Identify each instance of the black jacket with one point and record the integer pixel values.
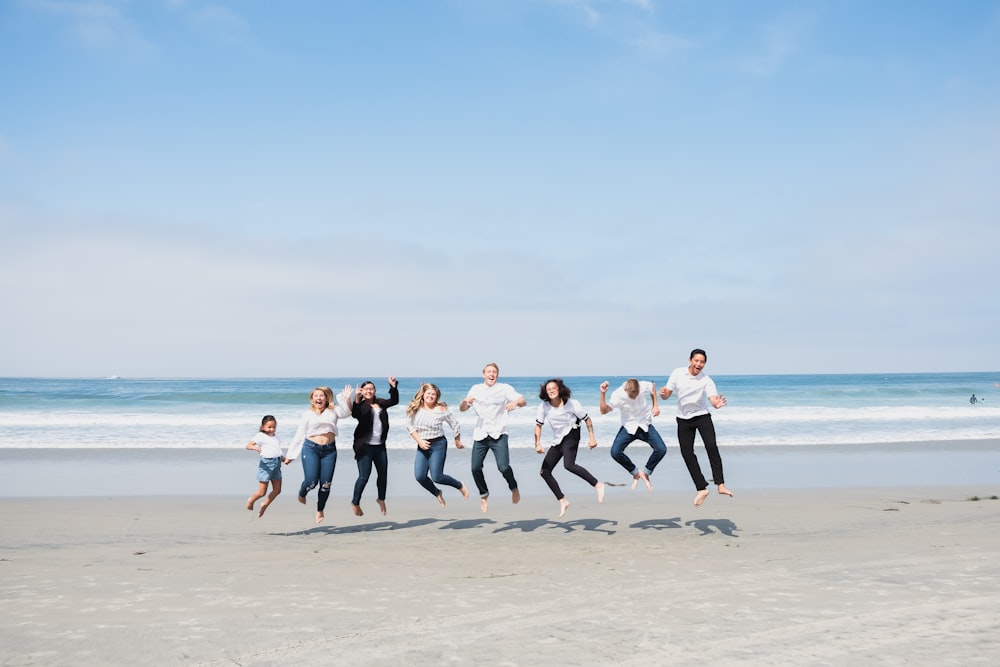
(362, 411)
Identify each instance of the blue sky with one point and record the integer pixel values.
(329, 188)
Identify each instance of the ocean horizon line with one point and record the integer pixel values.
(475, 376)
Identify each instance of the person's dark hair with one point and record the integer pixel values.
(564, 391)
(267, 418)
(365, 384)
(700, 351)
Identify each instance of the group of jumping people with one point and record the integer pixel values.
(491, 401)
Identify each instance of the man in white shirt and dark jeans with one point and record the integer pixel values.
(636, 404)
(695, 392)
(491, 401)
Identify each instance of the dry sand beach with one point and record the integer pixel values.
(907, 575)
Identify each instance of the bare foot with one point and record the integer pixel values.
(645, 478)
(600, 488)
(484, 503)
(635, 481)
(319, 517)
(250, 503)
(263, 506)
(515, 496)
(441, 499)
(381, 506)
(465, 491)
(700, 498)
(563, 506)
(357, 510)
(302, 499)
(724, 491)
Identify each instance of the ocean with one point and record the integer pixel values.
(149, 435)
(792, 410)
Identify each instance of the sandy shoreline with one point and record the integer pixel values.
(231, 472)
(773, 576)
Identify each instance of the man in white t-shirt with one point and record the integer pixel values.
(695, 393)
(636, 404)
(491, 401)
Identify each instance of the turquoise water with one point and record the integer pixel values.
(763, 410)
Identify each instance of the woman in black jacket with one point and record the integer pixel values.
(369, 439)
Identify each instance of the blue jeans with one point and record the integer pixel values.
(650, 437)
(432, 461)
(372, 454)
(502, 454)
(318, 463)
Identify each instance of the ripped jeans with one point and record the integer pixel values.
(318, 463)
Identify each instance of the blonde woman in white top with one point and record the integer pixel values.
(316, 439)
(425, 419)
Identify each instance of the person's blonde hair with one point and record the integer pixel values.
(326, 392)
(418, 398)
(631, 385)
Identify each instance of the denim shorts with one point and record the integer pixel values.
(269, 470)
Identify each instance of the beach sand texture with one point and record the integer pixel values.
(770, 577)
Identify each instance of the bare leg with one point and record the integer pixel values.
(357, 510)
(724, 491)
(563, 506)
(319, 516)
(275, 490)
(440, 498)
(700, 498)
(261, 492)
(515, 496)
(484, 503)
(465, 491)
(635, 481)
(302, 499)
(600, 488)
(381, 506)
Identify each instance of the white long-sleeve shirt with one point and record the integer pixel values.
(317, 423)
(429, 423)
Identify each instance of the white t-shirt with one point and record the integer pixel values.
(636, 413)
(490, 407)
(376, 437)
(692, 392)
(270, 445)
(561, 420)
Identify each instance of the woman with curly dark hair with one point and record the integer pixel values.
(563, 415)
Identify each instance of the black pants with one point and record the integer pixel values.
(685, 438)
(565, 450)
